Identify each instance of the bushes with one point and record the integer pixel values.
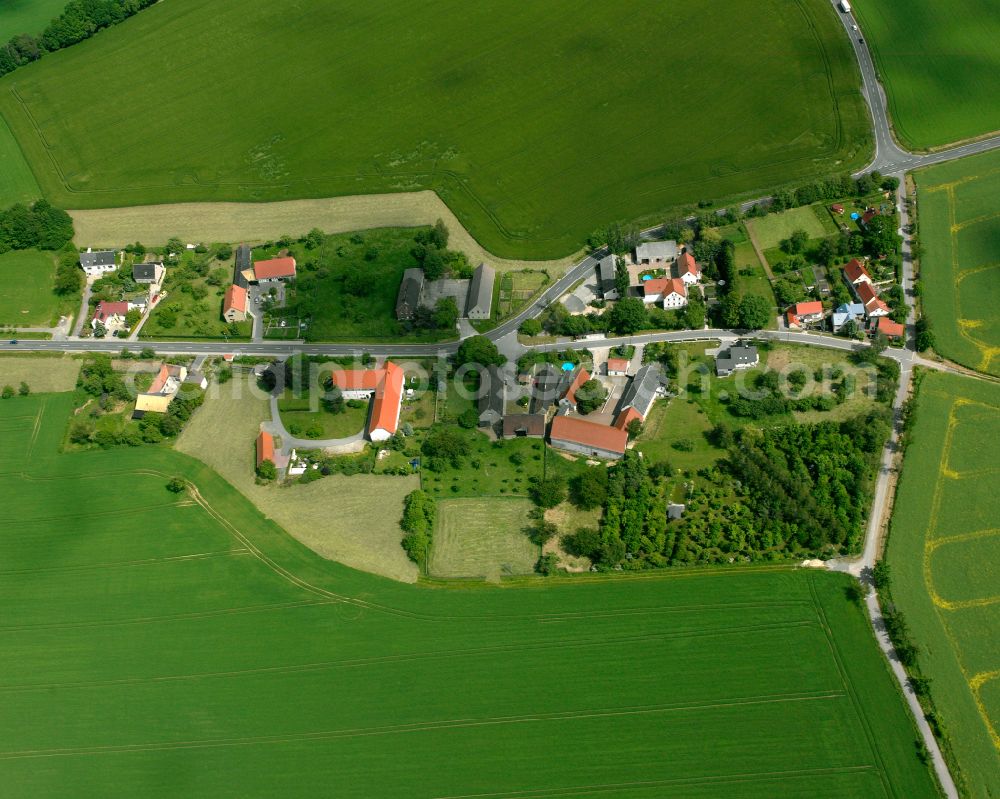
(418, 524)
(39, 225)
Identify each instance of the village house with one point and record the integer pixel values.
(408, 298)
(98, 262)
(855, 273)
(234, 304)
(890, 329)
(523, 425)
(874, 306)
(617, 367)
(567, 397)
(150, 274)
(492, 396)
(480, 298)
(739, 356)
(385, 388)
(648, 384)
(671, 292)
(687, 268)
(577, 435)
(656, 252)
(868, 216)
(274, 270)
(607, 269)
(848, 312)
(161, 391)
(109, 315)
(803, 314)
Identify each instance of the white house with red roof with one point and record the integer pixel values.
(234, 304)
(868, 296)
(385, 388)
(889, 328)
(687, 269)
(855, 272)
(804, 313)
(274, 269)
(617, 367)
(111, 315)
(671, 292)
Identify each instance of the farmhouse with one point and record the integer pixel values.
(617, 367)
(243, 266)
(161, 391)
(265, 447)
(492, 396)
(890, 329)
(642, 392)
(736, 357)
(670, 291)
(97, 263)
(109, 314)
(804, 313)
(234, 304)
(274, 269)
(606, 270)
(849, 311)
(855, 272)
(384, 386)
(587, 438)
(874, 306)
(521, 425)
(656, 252)
(480, 301)
(687, 269)
(408, 298)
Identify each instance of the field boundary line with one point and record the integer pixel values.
(125, 564)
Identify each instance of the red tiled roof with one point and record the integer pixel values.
(687, 265)
(807, 308)
(792, 319)
(655, 286)
(236, 298)
(582, 376)
(855, 270)
(265, 448)
(890, 328)
(626, 417)
(356, 379)
(105, 310)
(677, 286)
(617, 364)
(159, 381)
(867, 216)
(877, 305)
(866, 293)
(588, 434)
(388, 398)
(837, 208)
(275, 267)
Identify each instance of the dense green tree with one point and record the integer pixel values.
(267, 470)
(590, 396)
(589, 489)
(755, 312)
(549, 491)
(627, 316)
(530, 327)
(478, 351)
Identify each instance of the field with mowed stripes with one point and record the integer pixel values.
(944, 550)
(160, 645)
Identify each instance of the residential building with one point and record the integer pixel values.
(874, 306)
(803, 314)
(243, 267)
(587, 438)
(523, 425)
(617, 367)
(687, 268)
(98, 262)
(274, 269)
(849, 311)
(111, 315)
(567, 398)
(640, 394)
(161, 391)
(408, 298)
(385, 388)
(492, 396)
(265, 447)
(234, 304)
(656, 252)
(671, 292)
(196, 379)
(480, 301)
(607, 269)
(149, 274)
(855, 272)
(739, 356)
(890, 329)
(547, 388)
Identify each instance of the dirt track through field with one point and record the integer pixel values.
(153, 225)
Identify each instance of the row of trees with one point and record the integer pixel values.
(418, 525)
(79, 20)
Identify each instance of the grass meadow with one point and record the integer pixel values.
(41, 373)
(27, 16)
(773, 228)
(940, 66)
(943, 549)
(26, 296)
(157, 644)
(960, 231)
(17, 181)
(482, 538)
(346, 100)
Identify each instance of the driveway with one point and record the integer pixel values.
(339, 446)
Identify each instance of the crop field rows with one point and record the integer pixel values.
(960, 228)
(943, 550)
(222, 653)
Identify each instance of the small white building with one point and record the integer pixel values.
(99, 262)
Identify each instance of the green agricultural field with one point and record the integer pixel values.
(26, 296)
(770, 230)
(642, 109)
(159, 645)
(943, 551)
(959, 206)
(17, 182)
(27, 16)
(482, 538)
(940, 65)
(42, 373)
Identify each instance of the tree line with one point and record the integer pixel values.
(79, 20)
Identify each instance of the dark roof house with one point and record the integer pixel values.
(244, 263)
(492, 396)
(646, 386)
(606, 269)
(736, 357)
(480, 301)
(548, 386)
(409, 293)
(531, 425)
(100, 258)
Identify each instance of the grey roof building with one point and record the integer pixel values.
(606, 268)
(648, 384)
(523, 425)
(549, 385)
(244, 261)
(656, 252)
(147, 272)
(98, 259)
(409, 293)
(492, 396)
(736, 357)
(480, 302)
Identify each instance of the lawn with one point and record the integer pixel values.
(521, 161)
(773, 228)
(17, 182)
(482, 538)
(232, 661)
(751, 278)
(301, 419)
(940, 70)
(26, 296)
(27, 16)
(960, 230)
(41, 373)
(943, 549)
